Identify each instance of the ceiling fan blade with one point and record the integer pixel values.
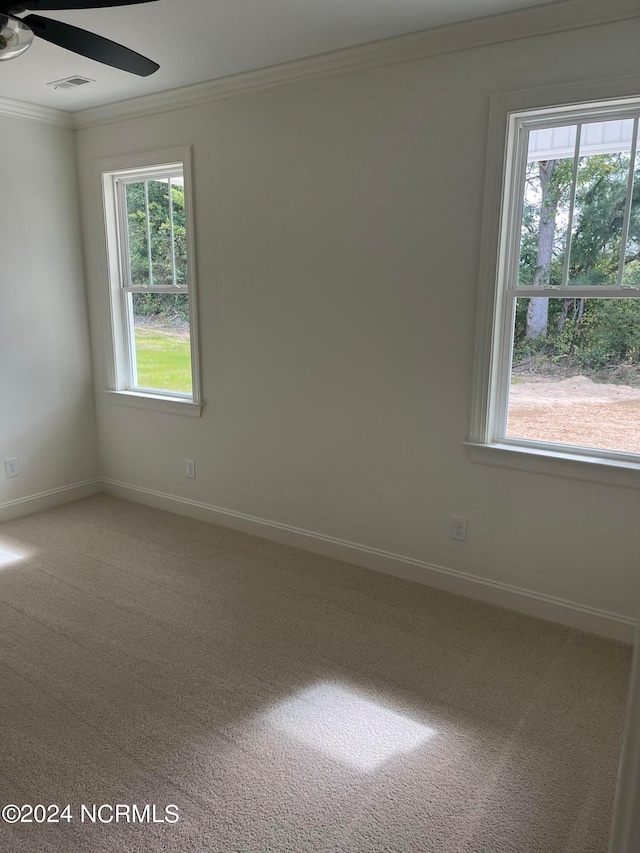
(90, 45)
(62, 5)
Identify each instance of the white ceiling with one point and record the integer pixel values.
(198, 40)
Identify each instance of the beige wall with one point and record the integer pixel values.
(47, 414)
(338, 230)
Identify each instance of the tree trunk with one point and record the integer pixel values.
(538, 309)
(565, 313)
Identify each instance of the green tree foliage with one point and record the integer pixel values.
(157, 247)
(594, 332)
(609, 333)
(600, 201)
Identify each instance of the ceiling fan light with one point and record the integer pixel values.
(15, 37)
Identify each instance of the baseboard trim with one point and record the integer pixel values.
(552, 609)
(49, 499)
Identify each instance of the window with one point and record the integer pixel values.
(152, 298)
(560, 372)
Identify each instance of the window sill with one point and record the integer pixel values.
(156, 403)
(556, 463)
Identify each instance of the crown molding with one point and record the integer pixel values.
(548, 18)
(32, 112)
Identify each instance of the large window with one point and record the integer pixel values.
(151, 276)
(564, 371)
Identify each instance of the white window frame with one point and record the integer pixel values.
(511, 115)
(121, 379)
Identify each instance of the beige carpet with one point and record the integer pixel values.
(284, 701)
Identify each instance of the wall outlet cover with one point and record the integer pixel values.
(458, 528)
(11, 467)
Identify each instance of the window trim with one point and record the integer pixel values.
(119, 385)
(484, 444)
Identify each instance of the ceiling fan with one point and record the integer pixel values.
(16, 34)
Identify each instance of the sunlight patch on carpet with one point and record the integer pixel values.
(348, 726)
(10, 555)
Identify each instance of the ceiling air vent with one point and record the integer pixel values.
(70, 82)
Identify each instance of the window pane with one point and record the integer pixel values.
(579, 384)
(161, 341)
(633, 241)
(601, 192)
(546, 208)
(138, 234)
(156, 231)
(179, 231)
(160, 233)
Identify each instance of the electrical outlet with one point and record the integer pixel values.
(190, 467)
(11, 467)
(458, 528)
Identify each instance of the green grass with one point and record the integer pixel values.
(164, 360)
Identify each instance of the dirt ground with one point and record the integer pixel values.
(174, 331)
(575, 411)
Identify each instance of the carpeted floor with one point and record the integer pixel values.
(284, 701)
